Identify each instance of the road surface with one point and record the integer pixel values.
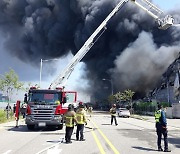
(131, 136)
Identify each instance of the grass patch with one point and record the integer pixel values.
(3, 116)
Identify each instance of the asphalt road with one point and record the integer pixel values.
(131, 136)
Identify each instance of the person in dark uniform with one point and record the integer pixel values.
(70, 119)
(113, 114)
(14, 108)
(161, 128)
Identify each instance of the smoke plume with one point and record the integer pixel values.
(132, 52)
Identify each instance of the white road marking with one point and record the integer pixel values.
(53, 149)
(7, 152)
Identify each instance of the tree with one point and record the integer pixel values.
(129, 94)
(9, 82)
(120, 96)
(125, 96)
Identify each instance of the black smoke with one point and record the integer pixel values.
(132, 52)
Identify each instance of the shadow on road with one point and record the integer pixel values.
(174, 141)
(20, 128)
(145, 149)
(55, 141)
(23, 128)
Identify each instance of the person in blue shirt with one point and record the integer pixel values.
(161, 128)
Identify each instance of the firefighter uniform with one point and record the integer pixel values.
(90, 108)
(161, 128)
(81, 120)
(70, 119)
(113, 114)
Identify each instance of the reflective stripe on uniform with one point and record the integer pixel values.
(69, 121)
(80, 118)
(113, 112)
(157, 115)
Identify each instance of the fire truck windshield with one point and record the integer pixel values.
(44, 98)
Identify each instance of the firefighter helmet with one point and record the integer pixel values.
(70, 107)
(80, 103)
(81, 106)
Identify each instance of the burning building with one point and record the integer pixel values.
(168, 87)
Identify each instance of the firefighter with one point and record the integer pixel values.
(81, 121)
(70, 119)
(8, 110)
(90, 108)
(161, 128)
(79, 104)
(14, 109)
(113, 114)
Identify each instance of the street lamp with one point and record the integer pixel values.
(41, 62)
(110, 80)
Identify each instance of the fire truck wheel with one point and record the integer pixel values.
(30, 127)
(60, 126)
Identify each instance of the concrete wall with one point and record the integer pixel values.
(169, 112)
(176, 110)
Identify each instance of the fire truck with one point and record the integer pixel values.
(46, 107)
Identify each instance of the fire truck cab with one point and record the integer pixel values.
(44, 108)
(71, 98)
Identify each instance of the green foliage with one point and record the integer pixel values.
(120, 96)
(124, 96)
(3, 116)
(140, 107)
(129, 94)
(144, 107)
(10, 82)
(165, 104)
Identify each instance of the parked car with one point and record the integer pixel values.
(123, 112)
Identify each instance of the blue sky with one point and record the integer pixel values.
(167, 4)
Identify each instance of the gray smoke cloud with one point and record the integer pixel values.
(132, 51)
(142, 72)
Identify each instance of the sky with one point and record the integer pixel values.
(30, 73)
(167, 4)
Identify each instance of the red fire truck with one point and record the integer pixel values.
(45, 107)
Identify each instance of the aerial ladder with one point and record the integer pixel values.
(151, 9)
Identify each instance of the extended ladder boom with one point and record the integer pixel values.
(155, 12)
(163, 24)
(62, 78)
